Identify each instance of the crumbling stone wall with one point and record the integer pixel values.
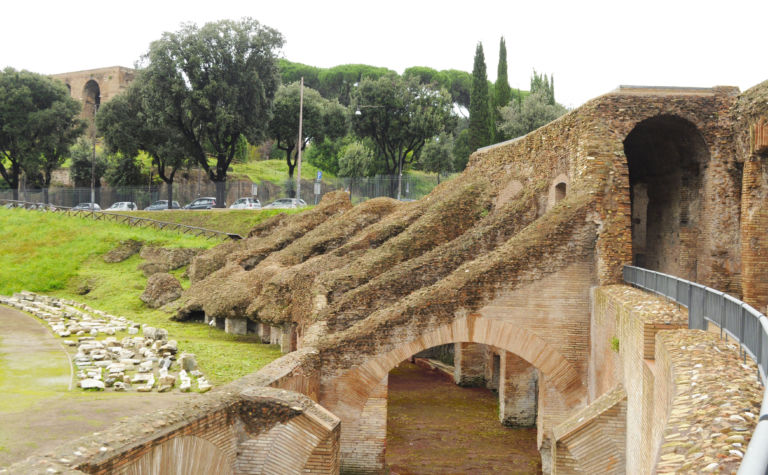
(109, 82)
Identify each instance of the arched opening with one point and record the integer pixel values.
(559, 191)
(91, 99)
(666, 156)
(358, 396)
(453, 400)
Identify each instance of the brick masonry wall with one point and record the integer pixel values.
(469, 364)
(593, 439)
(632, 316)
(518, 391)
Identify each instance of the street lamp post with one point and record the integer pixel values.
(298, 144)
(93, 157)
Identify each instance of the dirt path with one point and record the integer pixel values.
(37, 410)
(434, 426)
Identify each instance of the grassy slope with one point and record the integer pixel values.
(45, 252)
(275, 171)
(237, 221)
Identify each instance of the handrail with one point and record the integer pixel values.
(123, 219)
(735, 318)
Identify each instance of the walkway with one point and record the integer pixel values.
(434, 426)
(37, 410)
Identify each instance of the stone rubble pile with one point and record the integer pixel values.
(141, 363)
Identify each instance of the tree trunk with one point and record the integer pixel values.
(170, 195)
(221, 193)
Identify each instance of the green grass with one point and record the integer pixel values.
(41, 252)
(237, 221)
(275, 171)
(55, 254)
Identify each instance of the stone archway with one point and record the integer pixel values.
(91, 99)
(666, 156)
(352, 395)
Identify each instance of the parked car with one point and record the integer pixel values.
(246, 203)
(123, 206)
(206, 202)
(161, 205)
(87, 206)
(286, 203)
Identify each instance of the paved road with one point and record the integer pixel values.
(37, 410)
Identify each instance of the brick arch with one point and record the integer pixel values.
(666, 156)
(346, 394)
(184, 455)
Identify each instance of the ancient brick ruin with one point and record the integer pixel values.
(517, 262)
(93, 87)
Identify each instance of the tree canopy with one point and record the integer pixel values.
(479, 108)
(130, 123)
(502, 93)
(213, 84)
(399, 116)
(321, 118)
(38, 123)
(534, 112)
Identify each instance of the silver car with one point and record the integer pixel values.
(123, 206)
(246, 203)
(286, 203)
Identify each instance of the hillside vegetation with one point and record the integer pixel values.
(62, 255)
(236, 221)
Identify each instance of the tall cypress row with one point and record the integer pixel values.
(502, 93)
(479, 107)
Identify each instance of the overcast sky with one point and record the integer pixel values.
(591, 47)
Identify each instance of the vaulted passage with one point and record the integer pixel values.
(91, 98)
(666, 156)
(435, 426)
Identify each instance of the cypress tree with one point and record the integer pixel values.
(479, 107)
(502, 92)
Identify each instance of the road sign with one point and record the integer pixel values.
(254, 189)
(319, 177)
(317, 187)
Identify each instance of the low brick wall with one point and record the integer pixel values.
(241, 428)
(688, 401)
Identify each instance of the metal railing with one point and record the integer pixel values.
(740, 321)
(123, 219)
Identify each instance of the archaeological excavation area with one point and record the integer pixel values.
(508, 278)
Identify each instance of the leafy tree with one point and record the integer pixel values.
(437, 156)
(460, 86)
(325, 155)
(82, 155)
(214, 84)
(461, 150)
(534, 112)
(291, 72)
(399, 116)
(502, 93)
(337, 82)
(320, 119)
(541, 83)
(356, 160)
(479, 111)
(38, 121)
(124, 170)
(425, 75)
(130, 122)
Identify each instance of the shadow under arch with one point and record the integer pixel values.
(346, 394)
(91, 98)
(666, 157)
